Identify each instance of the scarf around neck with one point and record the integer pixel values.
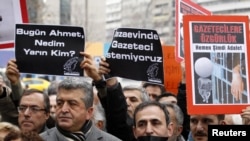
(77, 136)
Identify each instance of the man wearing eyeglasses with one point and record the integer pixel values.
(33, 105)
(34, 110)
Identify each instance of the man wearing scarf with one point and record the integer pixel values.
(73, 114)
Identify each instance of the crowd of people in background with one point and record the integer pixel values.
(74, 109)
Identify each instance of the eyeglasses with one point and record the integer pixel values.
(32, 109)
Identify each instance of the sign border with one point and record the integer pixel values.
(21, 16)
(210, 109)
(177, 28)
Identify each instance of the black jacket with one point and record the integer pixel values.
(115, 106)
(182, 103)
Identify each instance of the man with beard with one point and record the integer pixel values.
(199, 125)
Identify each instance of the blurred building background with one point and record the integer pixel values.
(152, 14)
(229, 7)
(101, 17)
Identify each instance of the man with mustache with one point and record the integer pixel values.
(199, 125)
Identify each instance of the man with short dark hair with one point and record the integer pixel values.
(153, 90)
(152, 122)
(34, 110)
(167, 97)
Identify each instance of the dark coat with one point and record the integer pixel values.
(115, 105)
(182, 103)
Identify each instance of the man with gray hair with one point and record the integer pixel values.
(73, 114)
(99, 118)
(134, 95)
(176, 117)
(175, 113)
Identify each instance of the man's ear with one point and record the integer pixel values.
(134, 131)
(47, 115)
(90, 112)
(179, 129)
(170, 129)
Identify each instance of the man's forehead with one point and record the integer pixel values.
(150, 112)
(168, 99)
(132, 93)
(68, 98)
(33, 94)
(149, 118)
(36, 97)
(32, 100)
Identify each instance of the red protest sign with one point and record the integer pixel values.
(184, 7)
(217, 63)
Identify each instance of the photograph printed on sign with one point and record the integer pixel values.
(223, 64)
